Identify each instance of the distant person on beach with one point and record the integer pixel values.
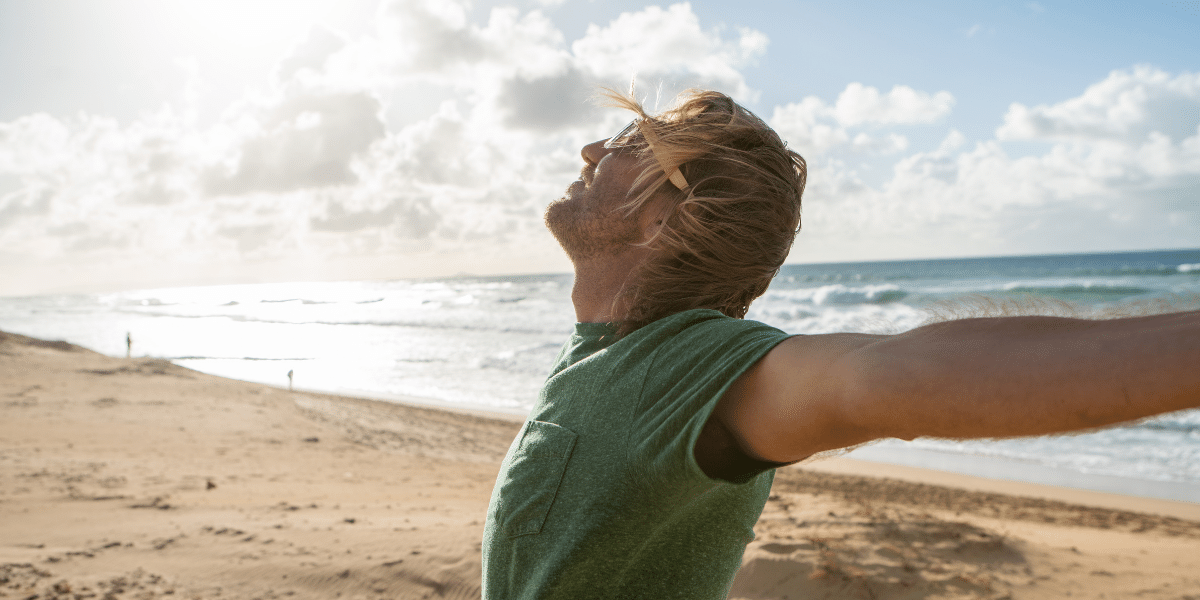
(649, 455)
(128, 344)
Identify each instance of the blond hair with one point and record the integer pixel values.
(725, 234)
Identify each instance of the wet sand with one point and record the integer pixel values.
(136, 478)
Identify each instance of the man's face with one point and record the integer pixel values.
(588, 220)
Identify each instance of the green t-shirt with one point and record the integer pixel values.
(600, 495)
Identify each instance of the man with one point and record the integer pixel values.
(649, 455)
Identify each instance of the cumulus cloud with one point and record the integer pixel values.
(1123, 157)
(889, 144)
(815, 126)
(409, 217)
(29, 201)
(808, 125)
(1131, 135)
(32, 143)
(859, 104)
(307, 140)
(1120, 168)
(433, 40)
(313, 162)
(311, 53)
(1127, 106)
(85, 181)
(430, 35)
(659, 42)
(547, 104)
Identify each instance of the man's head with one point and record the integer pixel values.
(716, 240)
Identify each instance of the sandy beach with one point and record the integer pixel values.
(136, 478)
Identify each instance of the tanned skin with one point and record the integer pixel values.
(970, 378)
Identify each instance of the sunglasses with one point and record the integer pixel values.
(632, 135)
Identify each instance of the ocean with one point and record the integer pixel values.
(488, 342)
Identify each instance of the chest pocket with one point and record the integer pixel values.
(533, 471)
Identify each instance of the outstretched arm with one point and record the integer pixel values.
(972, 378)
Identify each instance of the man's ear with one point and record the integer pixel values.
(651, 230)
(657, 211)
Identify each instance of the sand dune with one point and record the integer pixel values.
(128, 478)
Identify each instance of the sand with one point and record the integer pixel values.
(136, 478)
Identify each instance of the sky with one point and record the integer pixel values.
(154, 143)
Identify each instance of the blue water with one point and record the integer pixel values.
(489, 341)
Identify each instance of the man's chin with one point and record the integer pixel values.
(557, 215)
(571, 192)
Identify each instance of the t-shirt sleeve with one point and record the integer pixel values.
(687, 377)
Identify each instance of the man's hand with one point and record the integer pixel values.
(972, 378)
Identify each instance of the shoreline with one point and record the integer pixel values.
(1016, 471)
(975, 469)
(898, 468)
(140, 477)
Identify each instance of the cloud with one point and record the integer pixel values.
(1127, 106)
(889, 144)
(985, 178)
(33, 142)
(430, 35)
(88, 183)
(859, 104)
(432, 40)
(1121, 162)
(439, 151)
(662, 43)
(407, 216)
(313, 166)
(306, 140)
(26, 202)
(808, 126)
(436, 133)
(1131, 137)
(547, 104)
(311, 53)
(814, 126)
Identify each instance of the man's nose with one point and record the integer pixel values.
(593, 152)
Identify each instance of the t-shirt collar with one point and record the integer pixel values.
(595, 330)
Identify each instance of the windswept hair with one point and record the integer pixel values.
(723, 236)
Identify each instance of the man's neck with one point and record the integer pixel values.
(600, 283)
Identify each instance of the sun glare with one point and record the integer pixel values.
(230, 33)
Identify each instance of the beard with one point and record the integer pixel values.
(589, 232)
